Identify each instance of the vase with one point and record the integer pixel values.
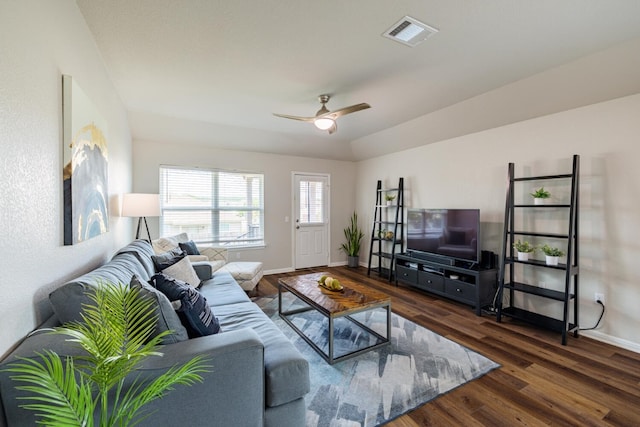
(353, 261)
(539, 201)
(551, 260)
(523, 256)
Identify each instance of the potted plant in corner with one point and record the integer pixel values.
(90, 390)
(351, 247)
(551, 254)
(524, 249)
(540, 196)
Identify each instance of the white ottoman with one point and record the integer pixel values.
(246, 273)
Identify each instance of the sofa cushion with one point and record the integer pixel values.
(222, 289)
(67, 300)
(143, 252)
(286, 370)
(195, 313)
(189, 247)
(166, 317)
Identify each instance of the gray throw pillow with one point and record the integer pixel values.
(167, 259)
(167, 318)
(189, 248)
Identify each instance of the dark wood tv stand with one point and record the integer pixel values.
(461, 281)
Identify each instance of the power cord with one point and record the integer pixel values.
(599, 319)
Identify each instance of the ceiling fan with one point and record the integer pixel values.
(325, 119)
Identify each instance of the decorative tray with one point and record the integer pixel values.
(322, 285)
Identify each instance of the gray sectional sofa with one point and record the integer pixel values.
(258, 378)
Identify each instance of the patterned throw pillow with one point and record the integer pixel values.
(195, 313)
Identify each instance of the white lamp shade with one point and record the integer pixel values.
(140, 205)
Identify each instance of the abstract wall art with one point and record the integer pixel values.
(85, 172)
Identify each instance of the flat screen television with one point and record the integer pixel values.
(451, 233)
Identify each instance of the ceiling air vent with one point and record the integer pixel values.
(409, 31)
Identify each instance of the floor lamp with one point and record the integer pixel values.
(141, 205)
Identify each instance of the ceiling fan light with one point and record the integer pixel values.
(323, 123)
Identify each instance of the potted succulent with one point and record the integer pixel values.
(389, 198)
(551, 254)
(385, 234)
(90, 390)
(351, 247)
(524, 249)
(540, 196)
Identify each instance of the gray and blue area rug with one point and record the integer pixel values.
(382, 384)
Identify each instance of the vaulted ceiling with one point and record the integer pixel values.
(212, 72)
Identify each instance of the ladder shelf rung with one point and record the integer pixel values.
(543, 177)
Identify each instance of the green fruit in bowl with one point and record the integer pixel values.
(322, 279)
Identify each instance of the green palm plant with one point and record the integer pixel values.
(117, 335)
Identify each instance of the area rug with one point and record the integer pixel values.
(375, 387)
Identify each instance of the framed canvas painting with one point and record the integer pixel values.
(85, 172)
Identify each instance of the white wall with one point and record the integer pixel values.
(40, 41)
(470, 171)
(277, 169)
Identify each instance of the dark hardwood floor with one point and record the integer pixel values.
(540, 382)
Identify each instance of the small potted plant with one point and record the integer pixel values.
(389, 198)
(353, 236)
(524, 249)
(385, 234)
(551, 254)
(540, 196)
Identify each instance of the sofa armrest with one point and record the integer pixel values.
(203, 269)
(231, 393)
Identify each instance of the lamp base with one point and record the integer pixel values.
(143, 218)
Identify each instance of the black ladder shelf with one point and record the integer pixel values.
(387, 232)
(507, 280)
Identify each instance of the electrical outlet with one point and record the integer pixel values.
(599, 297)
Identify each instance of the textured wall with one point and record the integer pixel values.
(470, 172)
(40, 41)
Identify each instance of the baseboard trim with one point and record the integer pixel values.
(608, 339)
(279, 271)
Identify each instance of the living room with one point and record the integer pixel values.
(40, 41)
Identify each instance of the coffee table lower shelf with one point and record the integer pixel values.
(330, 355)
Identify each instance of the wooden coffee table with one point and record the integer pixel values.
(354, 298)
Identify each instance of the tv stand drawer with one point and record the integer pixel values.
(405, 274)
(461, 291)
(430, 281)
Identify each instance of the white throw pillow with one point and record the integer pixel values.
(183, 270)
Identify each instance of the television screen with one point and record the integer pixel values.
(449, 232)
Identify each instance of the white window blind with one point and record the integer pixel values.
(213, 206)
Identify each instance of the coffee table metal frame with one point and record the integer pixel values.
(332, 316)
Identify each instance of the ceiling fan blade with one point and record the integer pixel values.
(333, 128)
(303, 119)
(348, 110)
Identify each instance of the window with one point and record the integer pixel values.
(212, 206)
(311, 202)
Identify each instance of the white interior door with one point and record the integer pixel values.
(311, 220)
